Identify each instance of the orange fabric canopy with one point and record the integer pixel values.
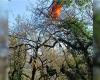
(55, 10)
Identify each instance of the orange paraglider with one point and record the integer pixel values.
(55, 9)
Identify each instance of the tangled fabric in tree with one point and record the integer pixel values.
(55, 8)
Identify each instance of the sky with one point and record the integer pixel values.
(16, 7)
(19, 7)
(12, 8)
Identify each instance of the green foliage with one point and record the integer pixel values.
(81, 2)
(96, 25)
(96, 28)
(59, 1)
(68, 3)
(78, 28)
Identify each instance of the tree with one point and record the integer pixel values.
(17, 58)
(70, 32)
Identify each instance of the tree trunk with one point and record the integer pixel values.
(34, 69)
(33, 74)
